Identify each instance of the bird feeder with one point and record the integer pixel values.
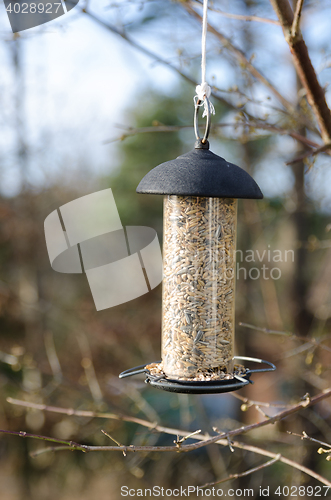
(200, 191)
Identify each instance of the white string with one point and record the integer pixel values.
(203, 90)
(203, 41)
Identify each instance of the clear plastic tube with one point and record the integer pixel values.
(198, 287)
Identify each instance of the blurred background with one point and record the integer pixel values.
(82, 100)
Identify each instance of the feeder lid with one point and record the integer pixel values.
(200, 173)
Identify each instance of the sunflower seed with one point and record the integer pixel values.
(198, 337)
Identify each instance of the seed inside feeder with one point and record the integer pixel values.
(198, 286)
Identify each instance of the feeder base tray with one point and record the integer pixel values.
(199, 387)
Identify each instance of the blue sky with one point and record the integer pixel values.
(79, 79)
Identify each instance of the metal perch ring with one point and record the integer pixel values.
(196, 121)
(200, 387)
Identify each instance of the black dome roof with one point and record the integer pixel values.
(200, 173)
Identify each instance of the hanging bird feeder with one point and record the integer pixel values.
(200, 192)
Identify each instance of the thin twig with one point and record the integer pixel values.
(245, 473)
(70, 445)
(247, 403)
(295, 29)
(282, 459)
(135, 395)
(87, 364)
(304, 435)
(82, 413)
(184, 438)
(111, 437)
(215, 429)
(320, 451)
(49, 449)
(298, 350)
(130, 131)
(314, 152)
(263, 413)
(241, 17)
(52, 356)
(311, 341)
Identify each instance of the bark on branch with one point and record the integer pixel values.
(304, 68)
(202, 439)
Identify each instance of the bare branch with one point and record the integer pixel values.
(246, 473)
(242, 430)
(305, 70)
(202, 438)
(224, 442)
